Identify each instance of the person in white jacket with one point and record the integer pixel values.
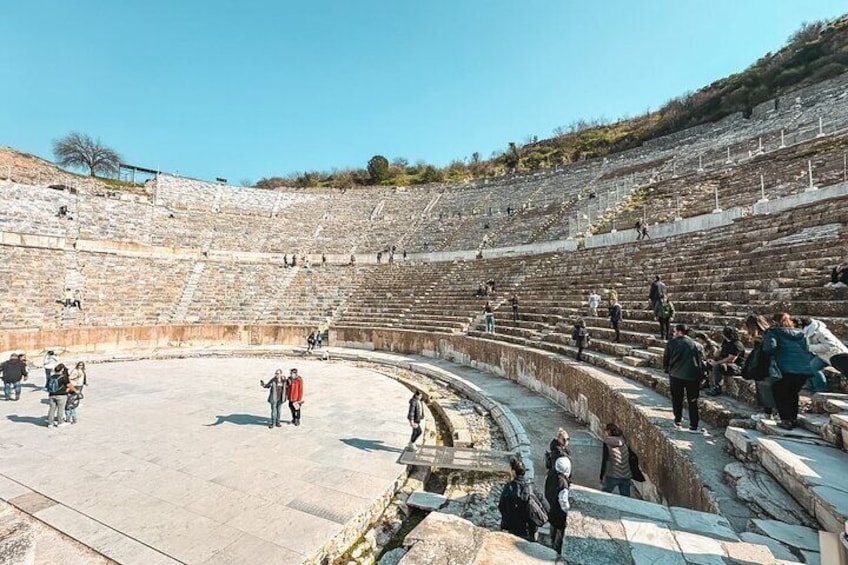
(826, 347)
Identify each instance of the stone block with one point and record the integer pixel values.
(440, 528)
(743, 441)
(582, 496)
(778, 549)
(651, 543)
(788, 534)
(711, 525)
(700, 550)
(429, 501)
(500, 548)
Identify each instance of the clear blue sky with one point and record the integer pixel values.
(247, 88)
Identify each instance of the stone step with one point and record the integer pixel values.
(830, 402)
(770, 428)
(635, 361)
(840, 422)
(643, 354)
(813, 474)
(799, 538)
(657, 350)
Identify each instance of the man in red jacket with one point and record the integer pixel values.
(295, 395)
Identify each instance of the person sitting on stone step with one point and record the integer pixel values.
(729, 361)
(838, 276)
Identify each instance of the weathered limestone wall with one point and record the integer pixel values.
(105, 339)
(587, 397)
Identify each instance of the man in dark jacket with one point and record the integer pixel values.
(415, 415)
(514, 503)
(658, 290)
(683, 362)
(13, 373)
(615, 319)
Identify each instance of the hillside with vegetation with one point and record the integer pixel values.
(816, 52)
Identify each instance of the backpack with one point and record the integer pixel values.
(52, 384)
(536, 512)
(756, 366)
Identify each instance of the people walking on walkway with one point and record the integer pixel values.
(788, 346)
(295, 389)
(415, 415)
(276, 396)
(729, 362)
(664, 312)
(57, 392)
(489, 317)
(615, 319)
(615, 462)
(557, 487)
(14, 371)
(683, 362)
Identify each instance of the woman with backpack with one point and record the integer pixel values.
(57, 391)
(580, 335)
(521, 510)
(756, 327)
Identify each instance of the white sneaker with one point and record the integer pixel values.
(412, 447)
(63, 424)
(758, 417)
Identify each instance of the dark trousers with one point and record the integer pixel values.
(785, 393)
(840, 363)
(416, 433)
(557, 536)
(580, 346)
(692, 390)
(295, 412)
(722, 370)
(515, 314)
(665, 327)
(615, 324)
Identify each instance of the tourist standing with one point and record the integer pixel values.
(594, 301)
(515, 503)
(683, 362)
(50, 362)
(756, 327)
(276, 396)
(489, 317)
(295, 385)
(57, 392)
(78, 377)
(792, 356)
(557, 487)
(415, 415)
(615, 462)
(514, 302)
(14, 371)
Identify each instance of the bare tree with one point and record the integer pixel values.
(80, 150)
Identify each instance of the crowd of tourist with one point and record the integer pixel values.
(64, 388)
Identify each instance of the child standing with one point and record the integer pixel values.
(74, 397)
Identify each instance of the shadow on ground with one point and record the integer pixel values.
(240, 420)
(370, 445)
(35, 420)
